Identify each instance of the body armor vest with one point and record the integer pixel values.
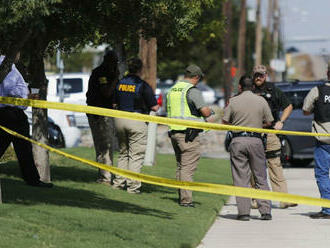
(322, 105)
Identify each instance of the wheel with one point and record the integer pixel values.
(61, 141)
(55, 137)
(300, 162)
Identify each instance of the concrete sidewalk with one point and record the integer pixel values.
(290, 228)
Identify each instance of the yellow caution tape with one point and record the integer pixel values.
(195, 186)
(146, 118)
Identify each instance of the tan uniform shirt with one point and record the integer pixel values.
(309, 104)
(248, 110)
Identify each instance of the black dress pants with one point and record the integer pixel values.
(16, 120)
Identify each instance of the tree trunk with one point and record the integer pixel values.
(258, 44)
(39, 116)
(241, 40)
(148, 55)
(121, 53)
(0, 193)
(227, 52)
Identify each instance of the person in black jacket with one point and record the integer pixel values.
(100, 93)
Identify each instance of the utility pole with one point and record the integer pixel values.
(270, 15)
(60, 65)
(148, 55)
(241, 40)
(276, 28)
(258, 44)
(227, 52)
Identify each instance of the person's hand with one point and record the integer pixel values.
(34, 96)
(278, 125)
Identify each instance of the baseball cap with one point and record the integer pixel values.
(194, 70)
(260, 69)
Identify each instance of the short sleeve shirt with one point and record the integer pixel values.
(248, 110)
(148, 95)
(195, 100)
(309, 104)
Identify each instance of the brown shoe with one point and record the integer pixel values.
(102, 181)
(254, 204)
(288, 205)
(320, 215)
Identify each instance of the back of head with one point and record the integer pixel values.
(134, 65)
(110, 57)
(246, 83)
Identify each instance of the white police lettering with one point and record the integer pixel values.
(326, 99)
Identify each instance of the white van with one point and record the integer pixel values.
(75, 88)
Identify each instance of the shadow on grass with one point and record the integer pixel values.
(58, 173)
(16, 192)
(150, 188)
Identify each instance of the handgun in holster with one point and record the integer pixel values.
(191, 134)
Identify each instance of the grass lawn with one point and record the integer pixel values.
(78, 212)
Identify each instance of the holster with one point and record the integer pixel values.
(191, 134)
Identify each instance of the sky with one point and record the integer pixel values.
(307, 20)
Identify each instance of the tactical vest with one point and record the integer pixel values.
(177, 104)
(268, 92)
(129, 95)
(322, 105)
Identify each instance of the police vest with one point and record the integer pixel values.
(268, 93)
(129, 94)
(322, 105)
(177, 104)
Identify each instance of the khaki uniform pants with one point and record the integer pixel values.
(132, 137)
(187, 156)
(275, 168)
(102, 129)
(247, 155)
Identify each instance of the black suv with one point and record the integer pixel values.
(298, 150)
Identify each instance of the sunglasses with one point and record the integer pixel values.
(259, 75)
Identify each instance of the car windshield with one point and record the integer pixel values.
(71, 85)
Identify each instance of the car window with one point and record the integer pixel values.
(71, 85)
(296, 98)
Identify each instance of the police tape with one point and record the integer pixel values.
(194, 186)
(146, 118)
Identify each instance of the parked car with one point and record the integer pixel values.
(298, 150)
(62, 132)
(75, 88)
(161, 93)
(209, 94)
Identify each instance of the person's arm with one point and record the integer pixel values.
(155, 108)
(225, 122)
(308, 107)
(285, 115)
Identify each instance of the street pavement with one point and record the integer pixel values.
(290, 228)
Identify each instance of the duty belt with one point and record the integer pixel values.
(247, 134)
